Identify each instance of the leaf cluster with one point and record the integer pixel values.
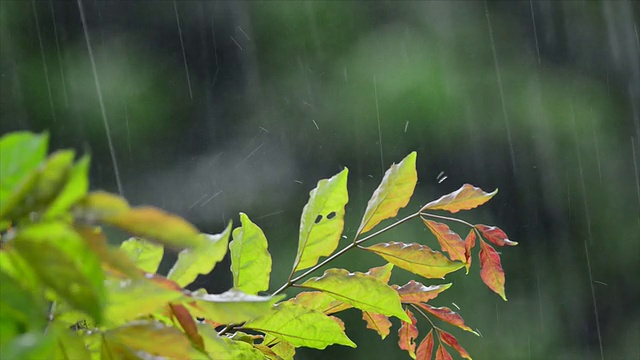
(68, 293)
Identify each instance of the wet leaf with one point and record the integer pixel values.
(322, 221)
(377, 322)
(450, 340)
(442, 353)
(98, 205)
(450, 242)
(393, 193)
(149, 337)
(145, 254)
(447, 315)
(200, 260)
(188, 324)
(63, 262)
(469, 243)
(491, 269)
(232, 306)
(416, 258)
(320, 301)
(73, 191)
(414, 292)
(363, 291)
(54, 174)
(495, 235)
(250, 258)
(300, 326)
(425, 349)
(465, 198)
(407, 335)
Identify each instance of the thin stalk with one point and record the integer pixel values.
(291, 282)
(447, 218)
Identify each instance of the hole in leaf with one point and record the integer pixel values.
(318, 219)
(331, 215)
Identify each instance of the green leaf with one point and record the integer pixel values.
(232, 306)
(145, 254)
(32, 345)
(75, 189)
(416, 258)
(69, 345)
(322, 221)
(20, 154)
(149, 337)
(465, 198)
(393, 193)
(321, 301)
(64, 262)
(363, 291)
(53, 177)
(200, 260)
(98, 205)
(250, 259)
(224, 348)
(300, 326)
(20, 305)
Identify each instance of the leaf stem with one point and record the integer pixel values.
(447, 218)
(291, 282)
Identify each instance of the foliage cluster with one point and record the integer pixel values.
(68, 294)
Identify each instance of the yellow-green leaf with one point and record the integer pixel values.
(53, 177)
(320, 301)
(362, 291)
(200, 260)
(98, 205)
(69, 345)
(149, 338)
(393, 193)
(232, 306)
(322, 221)
(300, 326)
(250, 258)
(145, 254)
(465, 198)
(74, 189)
(416, 258)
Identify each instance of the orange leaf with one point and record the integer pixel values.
(449, 241)
(407, 334)
(414, 292)
(377, 322)
(185, 319)
(465, 198)
(425, 349)
(469, 243)
(416, 258)
(495, 235)
(447, 315)
(450, 340)
(491, 270)
(442, 353)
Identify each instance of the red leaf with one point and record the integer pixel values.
(449, 241)
(469, 243)
(425, 349)
(443, 354)
(414, 292)
(465, 198)
(447, 315)
(495, 235)
(450, 340)
(377, 322)
(491, 270)
(185, 319)
(407, 335)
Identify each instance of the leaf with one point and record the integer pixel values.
(469, 243)
(382, 273)
(53, 177)
(69, 345)
(322, 221)
(98, 205)
(449, 241)
(363, 291)
(393, 193)
(112, 258)
(20, 305)
(63, 262)
(465, 198)
(495, 235)
(250, 258)
(156, 225)
(320, 301)
(145, 254)
(31, 345)
(223, 348)
(300, 326)
(407, 335)
(149, 337)
(491, 269)
(414, 292)
(378, 323)
(284, 349)
(442, 353)
(450, 340)
(425, 349)
(416, 258)
(188, 324)
(74, 189)
(200, 260)
(20, 154)
(232, 306)
(447, 315)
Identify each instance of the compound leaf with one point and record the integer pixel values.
(250, 258)
(416, 258)
(465, 198)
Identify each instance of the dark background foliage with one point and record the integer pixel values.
(220, 107)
